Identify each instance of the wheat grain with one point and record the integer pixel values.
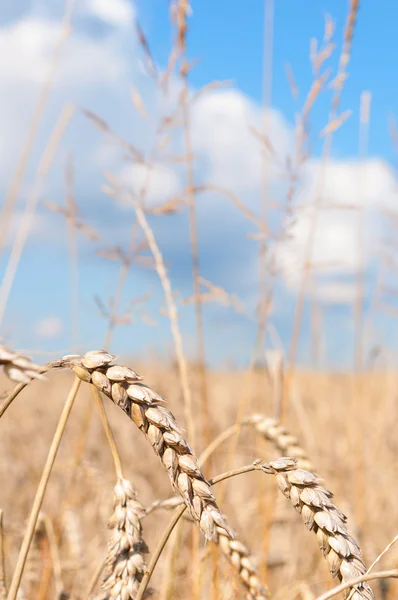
(125, 560)
(19, 368)
(144, 406)
(321, 516)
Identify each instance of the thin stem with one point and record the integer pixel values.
(264, 191)
(155, 557)
(171, 567)
(359, 320)
(233, 473)
(386, 549)
(242, 405)
(193, 227)
(216, 443)
(16, 181)
(108, 432)
(31, 205)
(125, 267)
(348, 584)
(317, 205)
(377, 559)
(11, 397)
(55, 562)
(17, 390)
(94, 579)
(73, 251)
(173, 317)
(30, 529)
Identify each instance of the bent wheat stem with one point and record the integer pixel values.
(30, 529)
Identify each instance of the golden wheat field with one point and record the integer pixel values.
(198, 385)
(71, 539)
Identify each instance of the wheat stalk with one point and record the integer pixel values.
(321, 516)
(19, 368)
(144, 406)
(125, 559)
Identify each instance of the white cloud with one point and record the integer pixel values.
(97, 72)
(221, 122)
(335, 292)
(159, 181)
(361, 183)
(90, 72)
(113, 12)
(336, 248)
(29, 46)
(49, 327)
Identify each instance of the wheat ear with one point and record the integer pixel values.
(19, 368)
(239, 556)
(321, 516)
(276, 433)
(145, 407)
(125, 560)
(235, 551)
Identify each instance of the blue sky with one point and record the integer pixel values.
(101, 63)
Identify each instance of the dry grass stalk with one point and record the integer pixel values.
(38, 501)
(25, 223)
(15, 185)
(321, 516)
(144, 406)
(173, 318)
(19, 368)
(49, 559)
(125, 560)
(309, 244)
(182, 11)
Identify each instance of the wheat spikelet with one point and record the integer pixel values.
(272, 431)
(125, 560)
(235, 551)
(144, 406)
(239, 556)
(19, 368)
(321, 516)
